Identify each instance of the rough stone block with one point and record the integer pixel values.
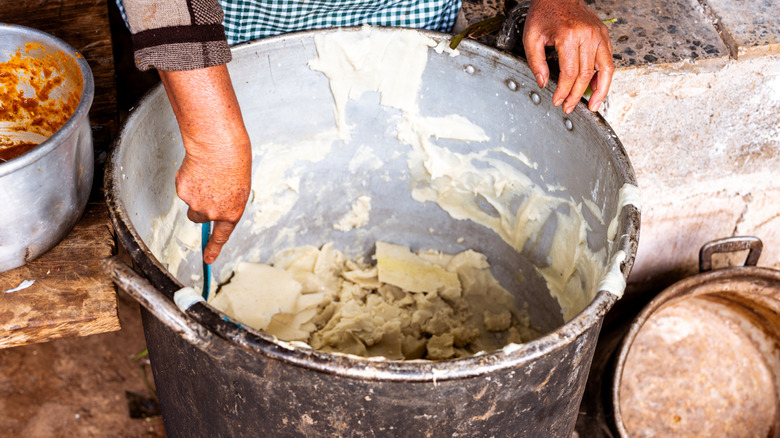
(749, 27)
(673, 231)
(659, 31)
(704, 139)
(761, 218)
(689, 124)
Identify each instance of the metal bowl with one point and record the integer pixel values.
(45, 190)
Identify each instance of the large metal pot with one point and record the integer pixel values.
(44, 191)
(215, 378)
(703, 357)
(699, 359)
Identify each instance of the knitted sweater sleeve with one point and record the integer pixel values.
(175, 35)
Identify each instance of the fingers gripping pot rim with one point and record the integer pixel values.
(702, 357)
(276, 387)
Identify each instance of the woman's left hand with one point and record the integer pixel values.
(583, 46)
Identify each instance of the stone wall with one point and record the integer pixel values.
(696, 102)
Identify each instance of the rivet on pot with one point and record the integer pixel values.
(535, 98)
(568, 124)
(469, 69)
(511, 84)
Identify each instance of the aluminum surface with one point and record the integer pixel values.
(45, 191)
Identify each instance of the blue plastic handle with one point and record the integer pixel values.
(204, 238)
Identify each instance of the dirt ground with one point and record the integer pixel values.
(79, 387)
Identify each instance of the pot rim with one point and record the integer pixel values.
(82, 109)
(258, 343)
(682, 290)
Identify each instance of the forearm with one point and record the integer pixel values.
(215, 175)
(206, 108)
(185, 41)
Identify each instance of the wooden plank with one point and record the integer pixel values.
(71, 296)
(84, 25)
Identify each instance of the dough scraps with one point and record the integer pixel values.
(425, 305)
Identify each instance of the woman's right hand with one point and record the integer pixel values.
(215, 176)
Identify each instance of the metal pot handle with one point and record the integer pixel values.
(161, 307)
(730, 244)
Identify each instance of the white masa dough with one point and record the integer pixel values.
(427, 305)
(520, 210)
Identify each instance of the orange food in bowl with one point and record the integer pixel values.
(35, 100)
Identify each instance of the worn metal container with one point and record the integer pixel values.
(703, 357)
(215, 378)
(43, 192)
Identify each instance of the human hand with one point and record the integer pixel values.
(582, 43)
(215, 176)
